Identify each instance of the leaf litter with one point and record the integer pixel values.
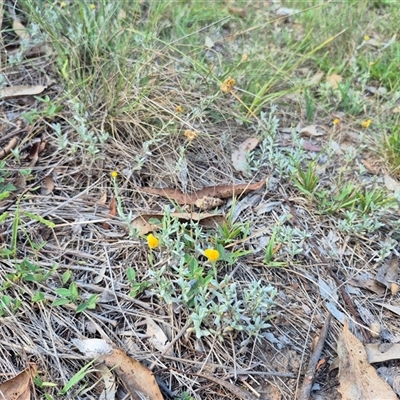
(146, 223)
(19, 387)
(215, 192)
(111, 251)
(357, 378)
(137, 378)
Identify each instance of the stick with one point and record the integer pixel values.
(312, 364)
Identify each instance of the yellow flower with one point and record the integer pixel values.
(336, 121)
(190, 135)
(152, 241)
(92, 6)
(63, 4)
(366, 38)
(227, 85)
(114, 174)
(179, 109)
(245, 57)
(211, 254)
(366, 124)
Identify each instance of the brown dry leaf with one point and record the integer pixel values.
(11, 145)
(34, 152)
(221, 192)
(110, 387)
(208, 203)
(138, 379)
(315, 79)
(157, 337)
(103, 199)
(388, 272)
(357, 378)
(394, 288)
(208, 42)
(142, 224)
(22, 90)
(112, 212)
(334, 80)
(240, 12)
(393, 309)
(369, 284)
(371, 166)
(311, 147)
(239, 156)
(47, 185)
(391, 184)
(310, 131)
(20, 29)
(380, 352)
(18, 388)
(20, 182)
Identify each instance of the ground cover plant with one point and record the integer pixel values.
(188, 190)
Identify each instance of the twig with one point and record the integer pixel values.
(312, 364)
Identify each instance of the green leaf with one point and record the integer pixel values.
(77, 377)
(60, 302)
(37, 297)
(131, 275)
(3, 217)
(5, 301)
(81, 307)
(66, 276)
(63, 292)
(92, 301)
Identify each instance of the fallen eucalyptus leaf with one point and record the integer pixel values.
(142, 223)
(334, 80)
(18, 388)
(376, 352)
(47, 185)
(157, 337)
(138, 380)
(357, 378)
(388, 272)
(239, 156)
(221, 192)
(22, 90)
(20, 29)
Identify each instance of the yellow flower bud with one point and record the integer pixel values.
(152, 241)
(212, 254)
(366, 124)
